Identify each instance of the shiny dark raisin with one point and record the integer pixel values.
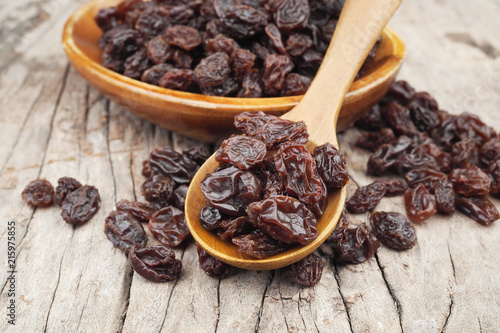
(81, 205)
(331, 166)
(355, 245)
(158, 189)
(420, 204)
(470, 182)
(259, 245)
(39, 193)
(306, 272)
(366, 198)
(284, 218)
(168, 225)
(156, 263)
(140, 210)
(231, 190)
(242, 152)
(480, 210)
(124, 231)
(212, 266)
(394, 230)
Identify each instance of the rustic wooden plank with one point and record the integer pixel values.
(448, 282)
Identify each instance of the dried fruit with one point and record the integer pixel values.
(124, 231)
(306, 272)
(366, 198)
(39, 192)
(81, 205)
(156, 263)
(394, 230)
(420, 204)
(355, 245)
(212, 266)
(168, 225)
(65, 186)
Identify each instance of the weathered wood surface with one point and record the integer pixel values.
(72, 279)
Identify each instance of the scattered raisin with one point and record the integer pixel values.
(394, 230)
(81, 205)
(156, 263)
(306, 272)
(39, 193)
(124, 231)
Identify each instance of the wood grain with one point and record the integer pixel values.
(52, 124)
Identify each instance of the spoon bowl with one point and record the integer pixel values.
(319, 109)
(208, 118)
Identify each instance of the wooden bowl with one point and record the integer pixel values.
(209, 118)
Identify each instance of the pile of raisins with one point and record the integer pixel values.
(244, 48)
(269, 190)
(168, 174)
(79, 203)
(448, 162)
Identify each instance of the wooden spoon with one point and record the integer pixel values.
(359, 26)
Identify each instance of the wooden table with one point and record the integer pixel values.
(72, 279)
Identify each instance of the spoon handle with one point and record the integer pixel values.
(359, 25)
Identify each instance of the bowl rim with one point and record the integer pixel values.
(232, 105)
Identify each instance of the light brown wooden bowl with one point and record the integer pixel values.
(203, 117)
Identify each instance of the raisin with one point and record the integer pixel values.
(146, 169)
(242, 152)
(39, 193)
(306, 272)
(295, 84)
(234, 227)
(212, 70)
(212, 266)
(469, 126)
(394, 230)
(277, 131)
(276, 67)
(155, 73)
(221, 43)
(250, 85)
(197, 154)
(430, 178)
(385, 157)
(470, 182)
(342, 224)
(355, 245)
(299, 168)
(251, 122)
(465, 154)
(158, 189)
(123, 43)
(178, 197)
(292, 15)
(240, 20)
(65, 186)
(227, 88)
(156, 263)
(168, 225)
(182, 59)
(331, 166)
(399, 119)
(394, 187)
(284, 218)
(401, 92)
(373, 140)
(494, 173)
(259, 245)
(81, 205)
(297, 44)
(136, 64)
(490, 151)
(183, 37)
(124, 231)
(366, 198)
(416, 159)
(445, 198)
(171, 164)
(158, 50)
(231, 190)
(372, 120)
(419, 203)
(178, 79)
(152, 22)
(274, 35)
(140, 210)
(444, 134)
(210, 218)
(243, 61)
(107, 18)
(480, 210)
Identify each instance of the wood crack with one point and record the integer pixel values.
(391, 292)
(344, 302)
(261, 308)
(218, 306)
(58, 279)
(170, 295)
(450, 309)
(108, 147)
